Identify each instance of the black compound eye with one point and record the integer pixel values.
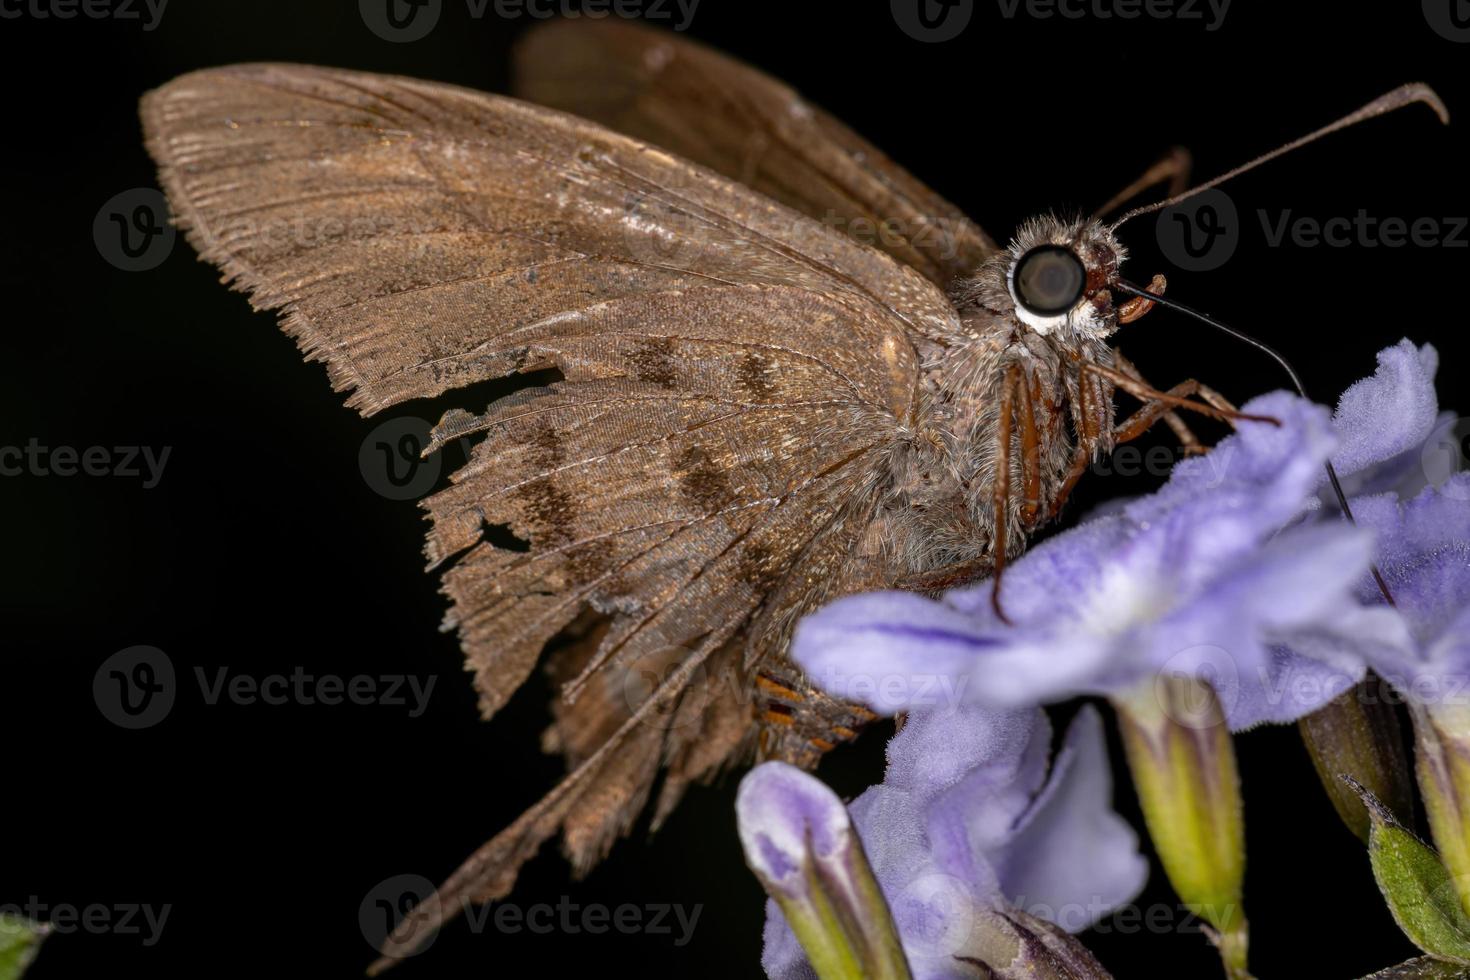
(1049, 280)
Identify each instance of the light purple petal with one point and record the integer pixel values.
(1424, 554)
(893, 651)
(1004, 748)
(1072, 860)
(1254, 481)
(1291, 686)
(978, 812)
(781, 954)
(967, 795)
(1391, 412)
(786, 818)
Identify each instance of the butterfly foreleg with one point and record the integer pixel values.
(1017, 409)
(1092, 422)
(1212, 406)
(1142, 420)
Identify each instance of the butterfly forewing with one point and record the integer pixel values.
(718, 112)
(732, 373)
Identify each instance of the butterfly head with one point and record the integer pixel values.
(1059, 275)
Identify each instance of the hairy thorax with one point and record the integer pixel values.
(942, 509)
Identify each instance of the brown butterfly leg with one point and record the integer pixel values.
(1140, 422)
(1013, 390)
(1146, 394)
(1182, 431)
(1175, 167)
(1091, 415)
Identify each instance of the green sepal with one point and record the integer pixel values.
(1419, 890)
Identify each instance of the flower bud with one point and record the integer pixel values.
(1359, 735)
(1183, 764)
(800, 842)
(1442, 763)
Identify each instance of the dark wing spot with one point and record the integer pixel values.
(546, 448)
(757, 566)
(586, 562)
(704, 485)
(652, 361)
(551, 512)
(753, 377)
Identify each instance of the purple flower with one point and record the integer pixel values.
(1390, 429)
(1383, 421)
(1424, 554)
(968, 821)
(1198, 579)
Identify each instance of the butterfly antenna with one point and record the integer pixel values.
(1342, 501)
(1402, 96)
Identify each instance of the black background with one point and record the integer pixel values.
(264, 549)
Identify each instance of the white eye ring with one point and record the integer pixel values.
(1046, 283)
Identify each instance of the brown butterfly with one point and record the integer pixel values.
(789, 372)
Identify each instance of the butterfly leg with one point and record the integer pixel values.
(1174, 167)
(1091, 418)
(1185, 435)
(1144, 419)
(1015, 399)
(1159, 401)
